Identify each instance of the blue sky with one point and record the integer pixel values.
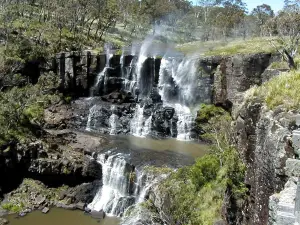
(275, 4)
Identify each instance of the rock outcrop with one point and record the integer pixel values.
(233, 75)
(263, 138)
(56, 160)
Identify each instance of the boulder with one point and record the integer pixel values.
(98, 215)
(45, 210)
(3, 221)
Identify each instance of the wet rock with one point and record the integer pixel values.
(66, 206)
(45, 210)
(22, 214)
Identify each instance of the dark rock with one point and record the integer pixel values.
(262, 143)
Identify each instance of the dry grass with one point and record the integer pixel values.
(232, 47)
(279, 91)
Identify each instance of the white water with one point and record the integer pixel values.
(119, 190)
(184, 123)
(139, 125)
(113, 121)
(102, 77)
(129, 85)
(114, 192)
(95, 111)
(180, 74)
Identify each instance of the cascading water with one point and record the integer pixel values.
(113, 198)
(102, 78)
(129, 84)
(94, 112)
(170, 82)
(122, 186)
(177, 87)
(139, 125)
(113, 121)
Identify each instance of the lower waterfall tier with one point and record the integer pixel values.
(143, 119)
(128, 176)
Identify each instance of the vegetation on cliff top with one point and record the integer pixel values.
(282, 90)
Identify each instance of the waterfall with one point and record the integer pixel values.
(178, 83)
(139, 125)
(122, 186)
(102, 77)
(113, 121)
(114, 196)
(129, 82)
(184, 123)
(177, 87)
(95, 111)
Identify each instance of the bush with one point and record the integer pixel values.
(12, 207)
(195, 194)
(22, 108)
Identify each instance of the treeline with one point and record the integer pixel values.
(49, 26)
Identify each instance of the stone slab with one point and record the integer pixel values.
(296, 139)
(45, 210)
(292, 168)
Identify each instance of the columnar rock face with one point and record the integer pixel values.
(221, 80)
(78, 70)
(264, 140)
(233, 75)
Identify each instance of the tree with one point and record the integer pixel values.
(262, 13)
(287, 27)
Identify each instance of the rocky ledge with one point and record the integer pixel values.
(57, 170)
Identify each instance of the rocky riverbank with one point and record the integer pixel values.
(57, 170)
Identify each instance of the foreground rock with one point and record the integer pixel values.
(263, 138)
(3, 221)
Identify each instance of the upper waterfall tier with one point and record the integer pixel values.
(169, 88)
(165, 89)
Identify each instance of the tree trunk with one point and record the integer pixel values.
(290, 60)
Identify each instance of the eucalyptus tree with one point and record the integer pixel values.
(262, 14)
(286, 27)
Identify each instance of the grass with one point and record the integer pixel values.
(279, 91)
(224, 48)
(15, 208)
(279, 65)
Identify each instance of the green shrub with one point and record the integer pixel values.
(22, 108)
(204, 170)
(195, 194)
(13, 207)
(208, 111)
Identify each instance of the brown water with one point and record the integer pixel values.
(189, 148)
(58, 216)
